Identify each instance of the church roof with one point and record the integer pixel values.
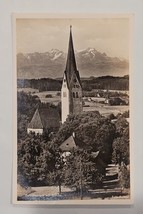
(47, 117)
(36, 122)
(68, 144)
(71, 67)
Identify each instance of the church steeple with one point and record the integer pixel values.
(71, 92)
(71, 62)
(71, 67)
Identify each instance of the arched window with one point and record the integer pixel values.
(76, 94)
(73, 94)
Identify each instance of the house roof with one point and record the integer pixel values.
(71, 68)
(47, 117)
(68, 144)
(36, 122)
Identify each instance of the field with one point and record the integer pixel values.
(90, 104)
(28, 90)
(104, 109)
(55, 98)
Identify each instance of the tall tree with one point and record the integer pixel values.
(121, 142)
(81, 171)
(35, 160)
(92, 131)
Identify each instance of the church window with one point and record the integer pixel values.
(76, 94)
(64, 80)
(64, 94)
(73, 94)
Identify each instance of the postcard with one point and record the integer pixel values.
(72, 140)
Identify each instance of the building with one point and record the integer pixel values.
(44, 119)
(71, 91)
(68, 146)
(115, 101)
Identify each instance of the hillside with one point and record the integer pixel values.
(90, 62)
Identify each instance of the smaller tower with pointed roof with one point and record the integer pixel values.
(71, 92)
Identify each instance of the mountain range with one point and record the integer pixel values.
(90, 62)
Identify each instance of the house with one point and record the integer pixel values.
(44, 119)
(114, 101)
(71, 91)
(68, 146)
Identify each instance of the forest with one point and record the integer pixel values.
(88, 84)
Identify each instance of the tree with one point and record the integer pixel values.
(92, 131)
(26, 106)
(27, 103)
(124, 177)
(56, 176)
(121, 142)
(49, 96)
(36, 159)
(81, 171)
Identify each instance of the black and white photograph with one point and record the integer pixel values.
(72, 110)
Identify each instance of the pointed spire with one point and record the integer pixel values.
(71, 62)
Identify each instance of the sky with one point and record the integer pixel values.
(109, 35)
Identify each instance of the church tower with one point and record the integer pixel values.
(71, 92)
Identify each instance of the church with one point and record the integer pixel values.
(71, 91)
(71, 98)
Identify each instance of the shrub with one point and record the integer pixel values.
(49, 96)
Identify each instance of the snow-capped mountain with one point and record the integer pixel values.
(56, 54)
(90, 62)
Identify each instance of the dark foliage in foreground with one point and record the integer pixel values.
(121, 142)
(40, 161)
(36, 159)
(93, 132)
